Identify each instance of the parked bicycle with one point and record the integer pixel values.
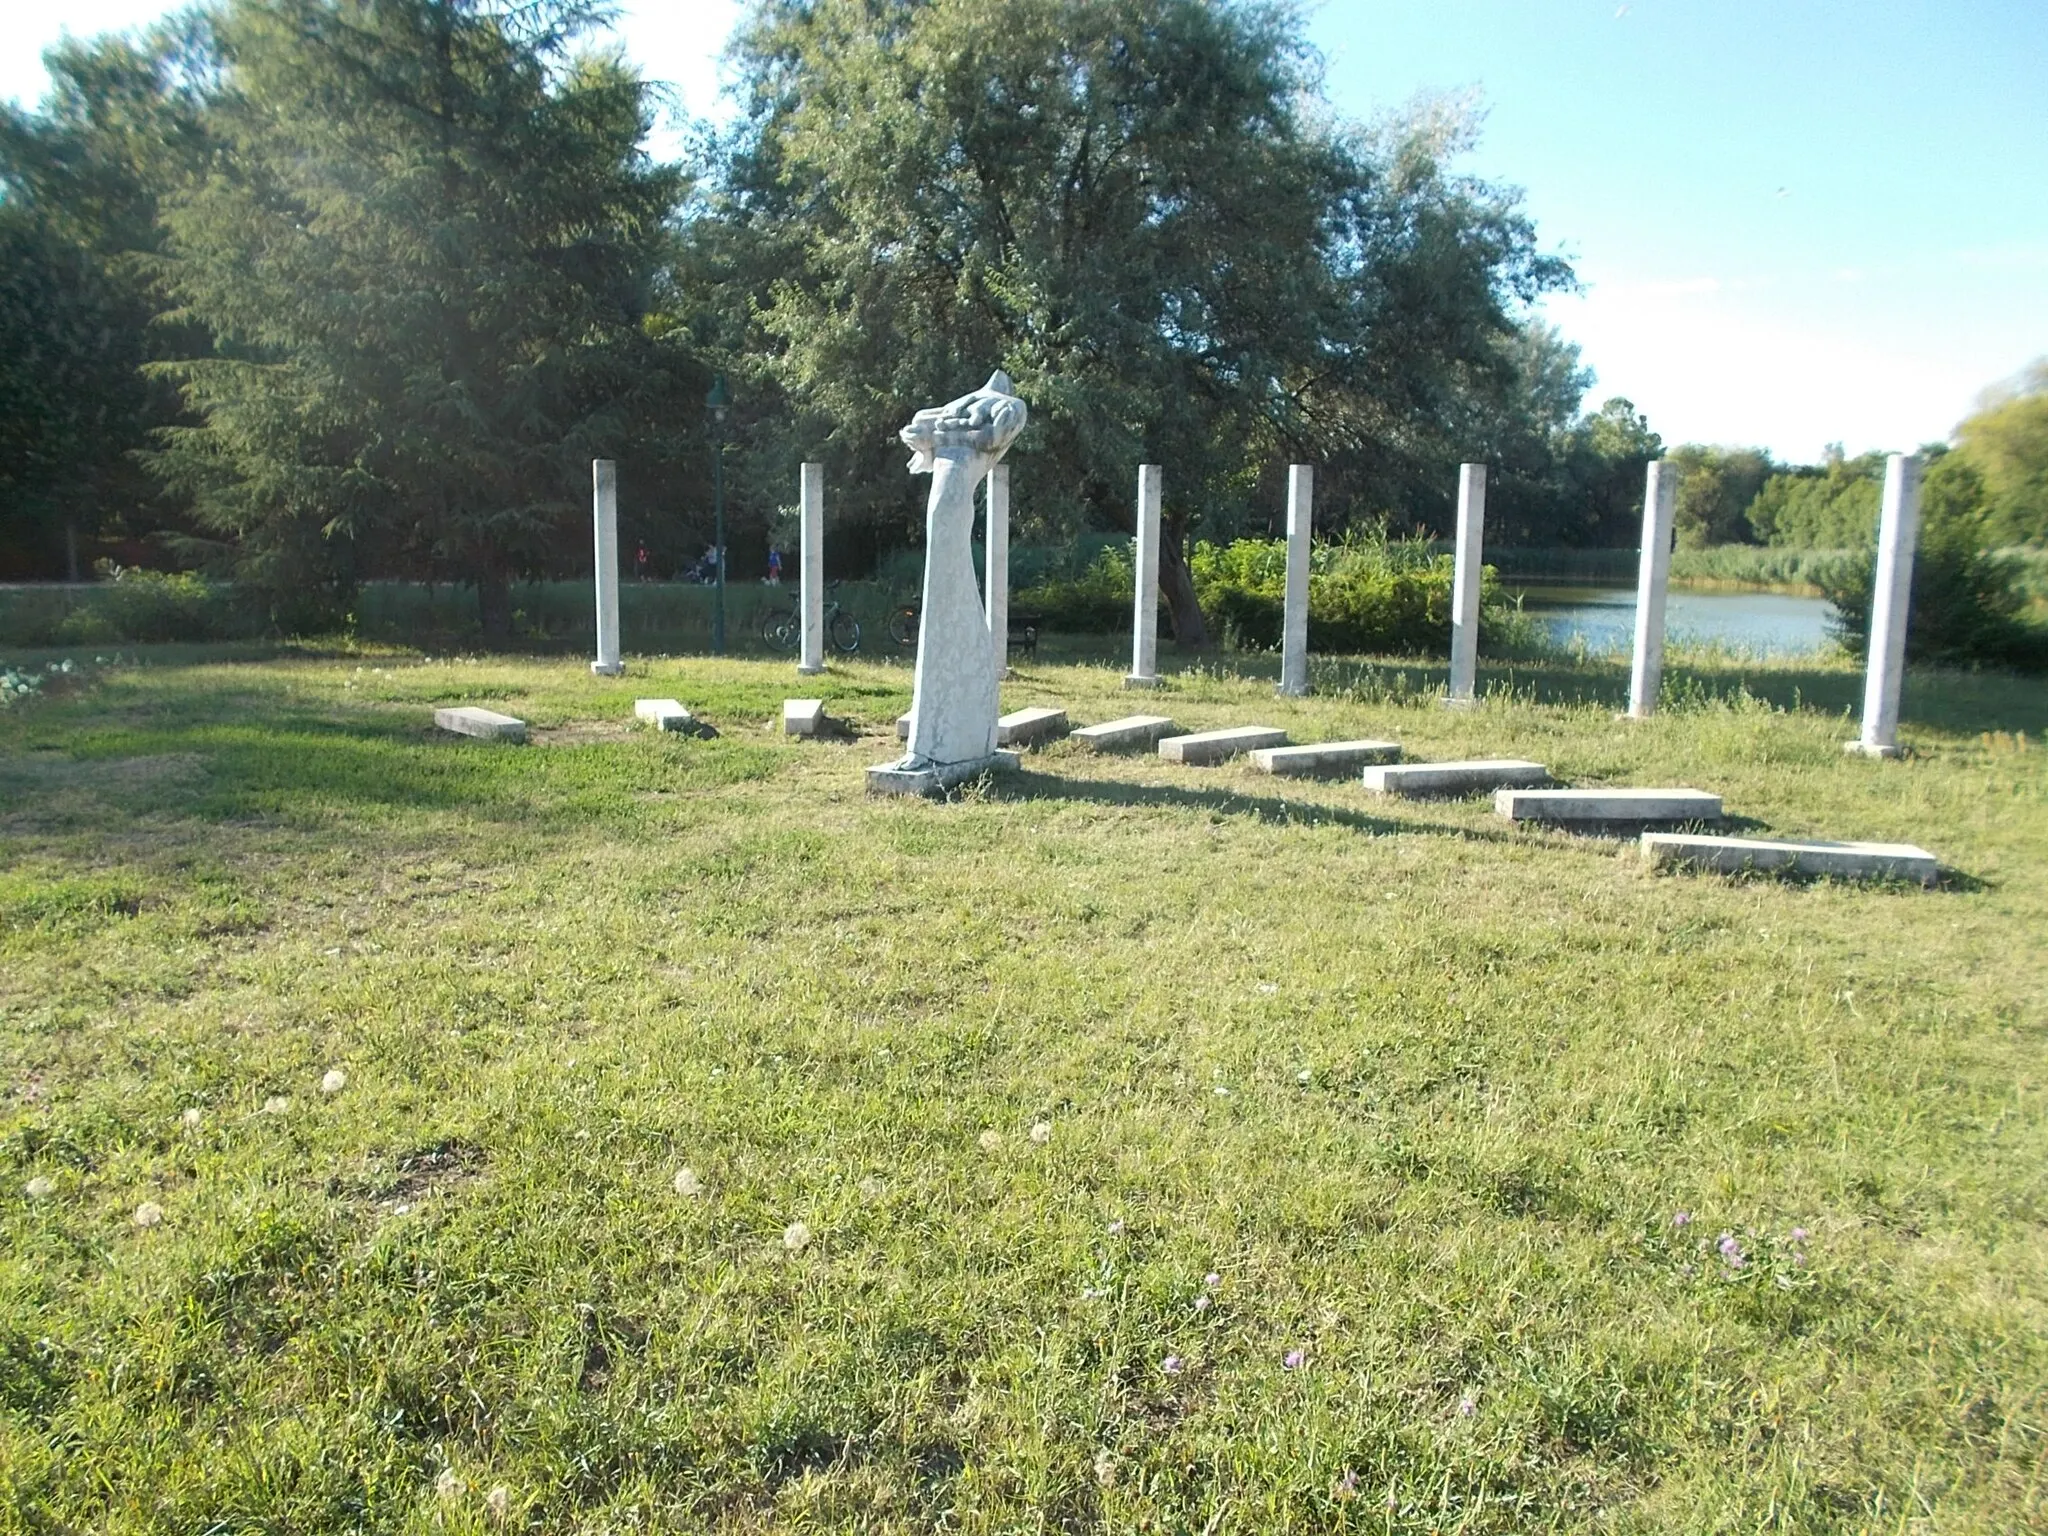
(903, 625)
(785, 631)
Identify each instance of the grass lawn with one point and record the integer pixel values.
(1119, 1146)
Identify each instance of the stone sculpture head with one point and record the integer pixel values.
(986, 422)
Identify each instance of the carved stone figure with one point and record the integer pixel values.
(954, 707)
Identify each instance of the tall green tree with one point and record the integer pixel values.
(80, 181)
(1143, 210)
(1716, 487)
(428, 248)
(1832, 505)
(2006, 443)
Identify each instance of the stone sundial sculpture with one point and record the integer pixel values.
(954, 706)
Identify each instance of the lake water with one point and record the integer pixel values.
(1762, 623)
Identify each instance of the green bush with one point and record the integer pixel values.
(1097, 601)
(1367, 594)
(149, 606)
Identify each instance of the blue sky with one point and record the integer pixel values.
(1796, 223)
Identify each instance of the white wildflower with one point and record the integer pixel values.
(148, 1214)
(334, 1081)
(796, 1236)
(1042, 1132)
(688, 1185)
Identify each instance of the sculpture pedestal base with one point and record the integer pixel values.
(1139, 680)
(601, 669)
(1870, 749)
(888, 779)
(1458, 701)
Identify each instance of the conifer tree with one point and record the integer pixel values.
(427, 246)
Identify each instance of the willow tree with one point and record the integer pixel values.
(426, 245)
(1142, 209)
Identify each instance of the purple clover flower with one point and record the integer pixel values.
(1294, 1360)
(1171, 1365)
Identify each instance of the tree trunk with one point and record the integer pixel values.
(494, 603)
(1178, 583)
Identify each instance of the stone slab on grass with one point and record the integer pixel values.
(1472, 777)
(1216, 746)
(1842, 861)
(1130, 731)
(888, 779)
(1027, 727)
(1325, 756)
(487, 724)
(663, 714)
(1606, 807)
(803, 717)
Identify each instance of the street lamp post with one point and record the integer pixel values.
(718, 402)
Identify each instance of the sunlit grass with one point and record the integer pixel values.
(409, 1042)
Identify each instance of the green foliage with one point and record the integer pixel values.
(1716, 487)
(1966, 602)
(1829, 506)
(426, 248)
(149, 606)
(1750, 565)
(1095, 600)
(1142, 210)
(79, 185)
(1368, 595)
(2007, 442)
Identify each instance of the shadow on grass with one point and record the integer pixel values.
(1946, 699)
(1272, 810)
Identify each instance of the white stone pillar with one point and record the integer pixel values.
(811, 569)
(1145, 601)
(1465, 583)
(996, 565)
(604, 511)
(1653, 579)
(1294, 618)
(1898, 535)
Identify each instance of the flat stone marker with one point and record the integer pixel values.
(468, 720)
(1215, 746)
(887, 779)
(1130, 731)
(1844, 861)
(1026, 727)
(1462, 778)
(1325, 756)
(1593, 807)
(803, 717)
(664, 714)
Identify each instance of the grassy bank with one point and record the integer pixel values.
(354, 1069)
